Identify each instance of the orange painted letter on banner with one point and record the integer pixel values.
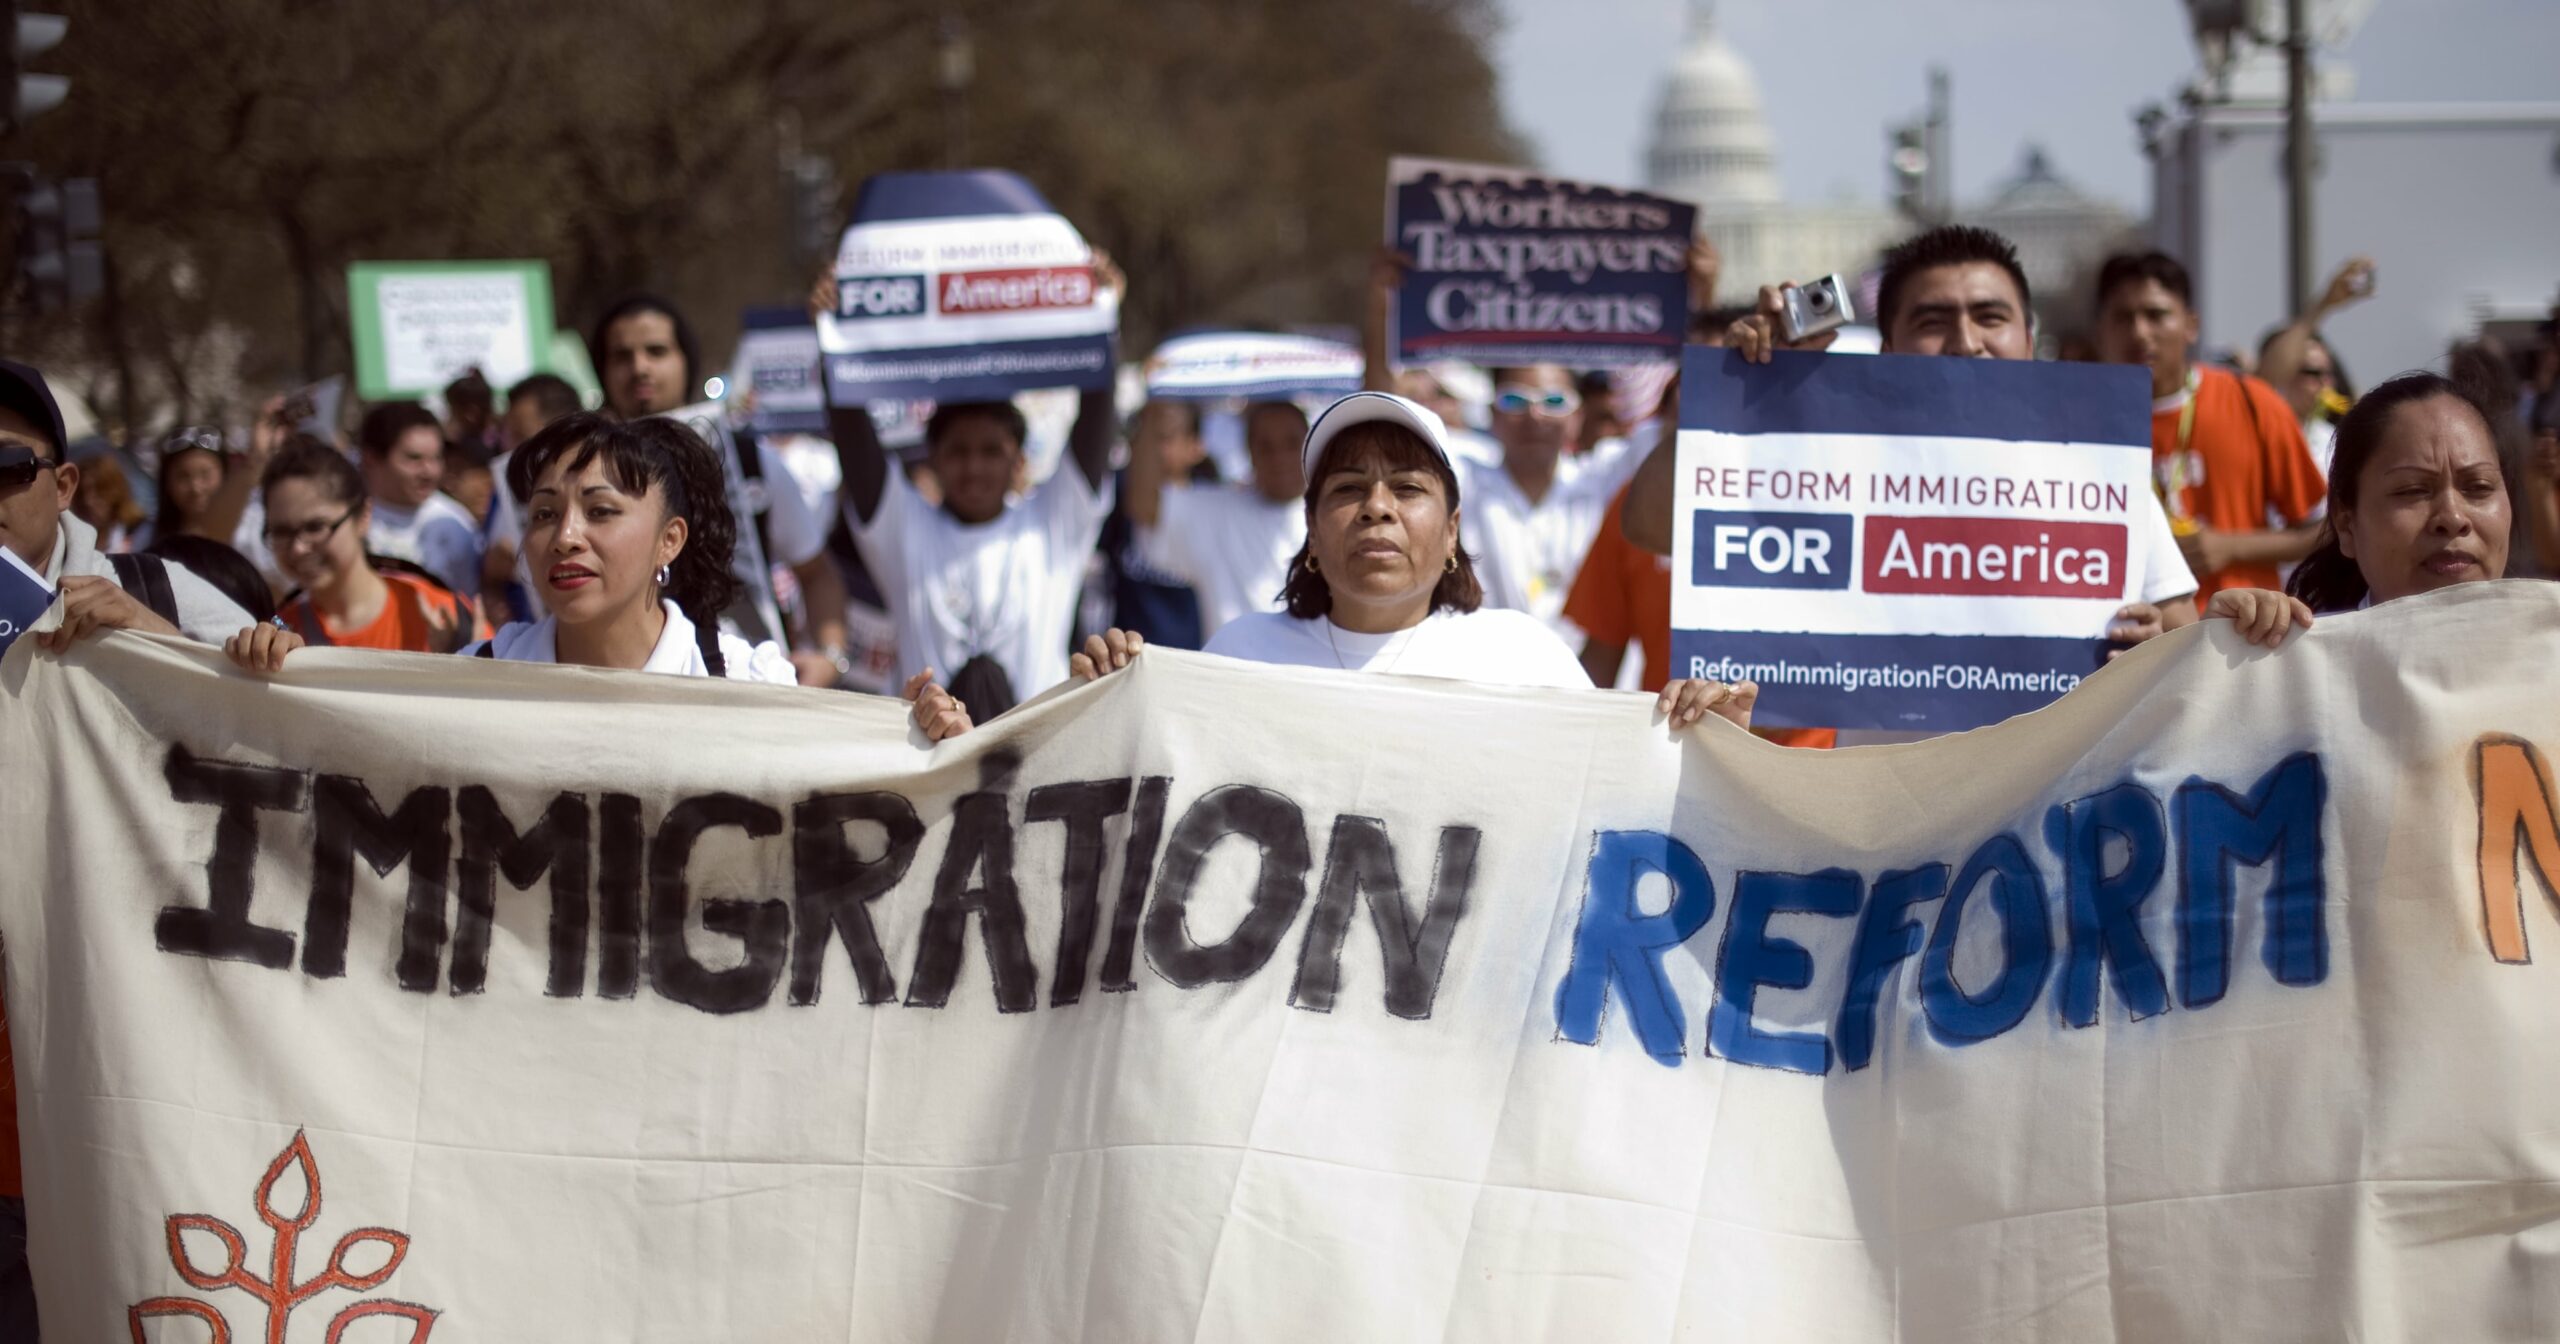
(2518, 810)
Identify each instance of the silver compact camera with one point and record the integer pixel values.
(1815, 308)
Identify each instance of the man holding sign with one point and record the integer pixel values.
(1951, 291)
(966, 288)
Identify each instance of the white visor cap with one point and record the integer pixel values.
(1361, 408)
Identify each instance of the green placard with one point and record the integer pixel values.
(418, 324)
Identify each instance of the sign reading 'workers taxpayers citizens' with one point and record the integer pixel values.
(419, 324)
(1217, 1001)
(1507, 266)
(963, 286)
(1904, 542)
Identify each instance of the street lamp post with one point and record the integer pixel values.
(2300, 150)
(954, 63)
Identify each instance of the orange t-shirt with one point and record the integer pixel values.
(2243, 460)
(1624, 593)
(401, 624)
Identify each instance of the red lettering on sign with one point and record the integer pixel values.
(977, 293)
(1993, 557)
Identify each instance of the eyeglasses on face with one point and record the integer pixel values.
(278, 538)
(1524, 401)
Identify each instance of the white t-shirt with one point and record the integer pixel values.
(1496, 648)
(676, 653)
(1006, 588)
(439, 536)
(1229, 543)
(1527, 554)
(2155, 555)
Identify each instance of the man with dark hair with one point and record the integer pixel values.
(645, 353)
(2226, 451)
(1953, 290)
(983, 584)
(533, 403)
(37, 488)
(401, 451)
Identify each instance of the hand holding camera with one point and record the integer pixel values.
(1792, 317)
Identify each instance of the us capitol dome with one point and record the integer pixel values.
(1711, 146)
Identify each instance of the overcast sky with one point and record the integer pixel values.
(1580, 77)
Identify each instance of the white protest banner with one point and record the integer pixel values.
(1252, 366)
(1906, 542)
(419, 324)
(963, 286)
(1218, 1001)
(777, 365)
(1510, 266)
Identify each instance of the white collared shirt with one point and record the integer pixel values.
(676, 653)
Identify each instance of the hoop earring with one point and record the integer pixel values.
(1453, 563)
(1311, 562)
(662, 576)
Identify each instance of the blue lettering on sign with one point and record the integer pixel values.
(2278, 821)
(1770, 550)
(2110, 854)
(862, 296)
(1615, 941)
(2026, 947)
(1751, 959)
(2106, 903)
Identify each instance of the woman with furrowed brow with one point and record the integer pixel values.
(2417, 501)
(1383, 583)
(628, 534)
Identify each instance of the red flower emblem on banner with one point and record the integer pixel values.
(279, 1291)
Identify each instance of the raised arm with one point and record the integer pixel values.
(2282, 361)
(1377, 362)
(230, 503)
(859, 453)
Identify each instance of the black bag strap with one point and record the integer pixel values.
(706, 637)
(306, 619)
(147, 578)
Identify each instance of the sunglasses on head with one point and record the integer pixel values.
(1525, 401)
(193, 436)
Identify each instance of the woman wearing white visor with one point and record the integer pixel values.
(1383, 583)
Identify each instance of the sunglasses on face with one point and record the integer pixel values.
(18, 476)
(1524, 401)
(278, 538)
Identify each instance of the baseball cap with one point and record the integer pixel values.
(1361, 408)
(24, 390)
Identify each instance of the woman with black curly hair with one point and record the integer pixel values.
(628, 535)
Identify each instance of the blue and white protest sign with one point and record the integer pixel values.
(777, 365)
(24, 595)
(963, 286)
(1253, 366)
(1510, 267)
(1904, 542)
